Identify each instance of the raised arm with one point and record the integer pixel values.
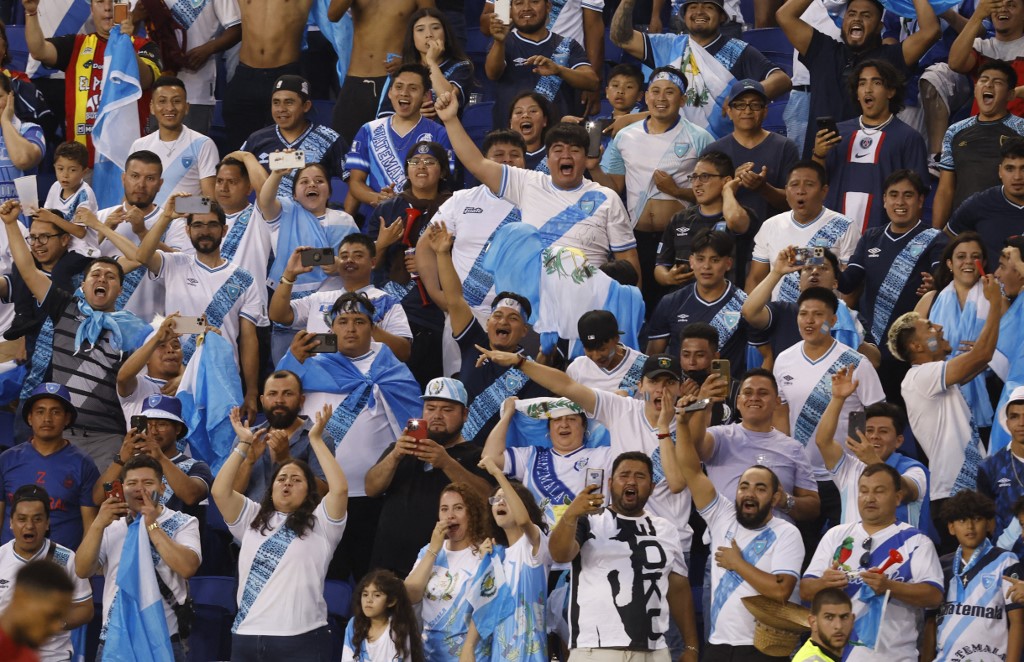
(701, 487)
(441, 242)
(755, 308)
(515, 504)
(266, 195)
(147, 252)
(337, 9)
(796, 29)
(961, 51)
(622, 33)
(24, 154)
(73, 229)
(496, 445)
(336, 499)
(88, 553)
(494, 63)
(736, 217)
(562, 545)
(426, 266)
(229, 501)
(257, 173)
(553, 380)
(843, 386)
(928, 32)
(486, 171)
(127, 376)
(965, 367)
(38, 46)
(416, 582)
(36, 281)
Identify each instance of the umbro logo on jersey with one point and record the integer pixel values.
(874, 252)
(1003, 482)
(682, 231)
(788, 379)
(473, 210)
(192, 282)
(520, 61)
(682, 318)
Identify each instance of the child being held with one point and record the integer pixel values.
(69, 192)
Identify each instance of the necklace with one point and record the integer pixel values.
(874, 129)
(174, 145)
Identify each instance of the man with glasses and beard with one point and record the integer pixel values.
(288, 437)
(754, 552)
(875, 559)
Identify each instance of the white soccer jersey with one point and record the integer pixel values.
(776, 549)
(636, 154)
(145, 386)
(589, 218)
(781, 231)
(630, 431)
(570, 469)
(806, 386)
(89, 245)
(374, 429)
(203, 20)
(58, 647)
(846, 476)
(175, 237)
(625, 376)
(254, 247)
(472, 215)
(311, 312)
(6, 267)
(941, 421)
(190, 287)
(847, 543)
(186, 161)
(296, 580)
(183, 529)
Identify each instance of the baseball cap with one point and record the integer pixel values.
(1016, 396)
(293, 83)
(167, 408)
(663, 364)
(746, 85)
(446, 388)
(596, 327)
(718, 3)
(53, 391)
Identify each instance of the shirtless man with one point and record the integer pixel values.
(380, 27)
(271, 41)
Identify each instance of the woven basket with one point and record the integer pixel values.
(778, 626)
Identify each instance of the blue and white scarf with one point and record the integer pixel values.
(965, 324)
(127, 332)
(488, 404)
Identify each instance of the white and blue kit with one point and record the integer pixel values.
(381, 153)
(186, 161)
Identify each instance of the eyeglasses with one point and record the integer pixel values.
(865, 558)
(40, 239)
(755, 106)
(495, 500)
(427, 163)
(703, 177)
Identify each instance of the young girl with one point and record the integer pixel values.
(518, 524)
(383, 626)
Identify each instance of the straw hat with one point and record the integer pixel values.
(777, 625)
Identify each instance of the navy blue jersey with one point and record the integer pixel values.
(782, 331)
(518, 76)
(685, 306)
(971, 148)
(1000, 478)
(193, 469)
(321, 144)
(993, 216)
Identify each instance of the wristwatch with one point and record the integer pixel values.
(117, 458)
(790, 502)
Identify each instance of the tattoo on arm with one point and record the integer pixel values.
(622, 22)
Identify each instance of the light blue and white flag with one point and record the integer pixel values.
(209, 390)
(137, 630)
(339, 34)
(490, 595)
(529, 426)
(117, 122)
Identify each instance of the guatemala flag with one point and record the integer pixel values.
(209, 389)
(490, 594)
(137, 630)
(339, 33)
(117, 123)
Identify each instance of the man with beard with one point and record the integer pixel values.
(830, 62)
(288, 437)
(755, 553)
(831, 622)
(628, 571)
(859, 559)
(208, 286)
(411, 473)
(37, 611)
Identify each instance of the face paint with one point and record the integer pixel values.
(932, 344)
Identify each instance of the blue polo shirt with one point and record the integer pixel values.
(993, 216)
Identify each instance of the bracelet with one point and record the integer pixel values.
(240, 452)
(430, 551)
(818, 156)
(286, 280)
(691, 648)
(32, 14)
(663, 435)
(153, 526)
(247, 443)
(522, 360)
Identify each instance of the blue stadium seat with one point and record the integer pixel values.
(321, 112)
(774, 122)
(338, 595)
(339, 189)
(774, 45)
(747, 10)
(478, 120)
(17, 47)
(214, 599)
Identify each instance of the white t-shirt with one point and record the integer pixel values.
(310, 311)
(374, 429)
(636, 154)
(175, 237)
(145, 386)
(603, 228)
(58, 647)
(89, 245)
(994, 49)
(798, 376)
(190, 287)
(6, 267)
(570, 469)
(254, 249)
(585, 371)
(471, 216)
(941, 421)
(213, 15)
(186, 161)
(291, 601)
(902, 623)
(783, 553)
(781, 231)
(182, 528)
(382, 649)
(846, 476)
(630, 431)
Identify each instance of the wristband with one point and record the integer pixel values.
(247, 443)
(240, 452)
(663, 435)
(153, 526)
(117, 458)
(430, 551)
(286, 280)
(32, 14)
(819, 156)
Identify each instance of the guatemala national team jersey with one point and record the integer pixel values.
(970, 148)
(551, 476)
(775, 548)
(972, 620)
(898, 630)
(518, 76)
(89, 245)
(589, 218)
(859, 165)
(846, 475)
(321, 144)
(637, 153)
(187, 160)
(8, 171)
(625, 376)
(381, 153)
(806, 386)
(686, 306)
(247, 242)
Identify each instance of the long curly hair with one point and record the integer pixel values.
(301, 520)
(404, 626)
(478, 519)
(536, 515)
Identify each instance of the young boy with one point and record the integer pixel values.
(625, 90)
(975, 615)
(69, 192)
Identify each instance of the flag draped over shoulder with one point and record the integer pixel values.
(117, 121)
(137, 630)
(490, 594)
(707, 92)
(529, 425)
(209, 390)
